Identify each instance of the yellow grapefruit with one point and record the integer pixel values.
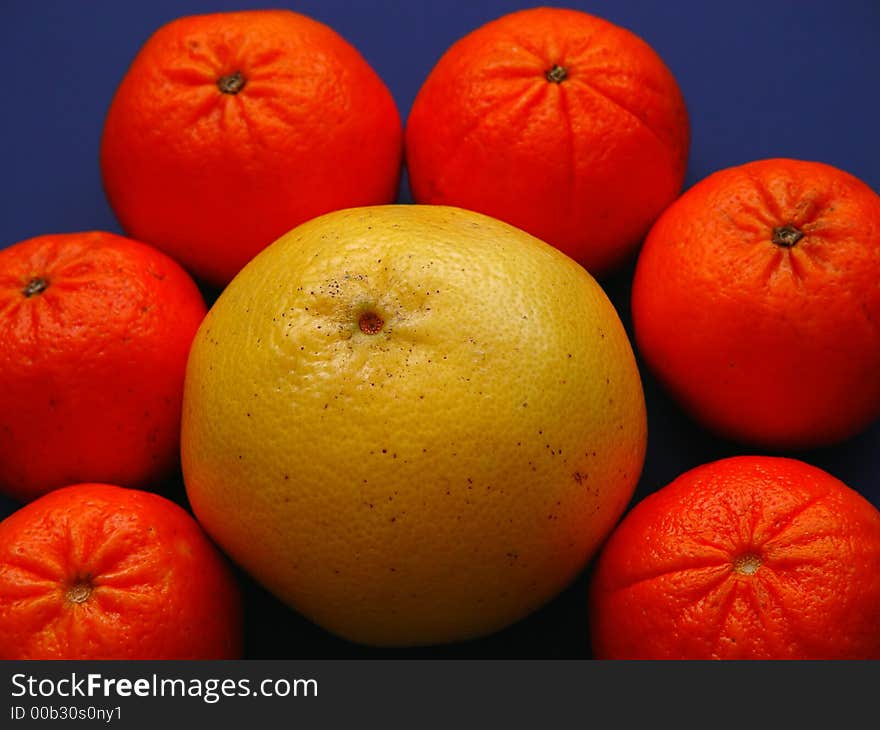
(413, 424)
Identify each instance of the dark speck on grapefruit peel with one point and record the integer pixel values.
(231, 83)
(370, 323)
(37, 285)
(787, 236)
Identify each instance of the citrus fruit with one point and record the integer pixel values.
(231, 128)
(94, 571)
(558, 122)
(755, 301)
(94, 334)
(744, 558)
(413, 424)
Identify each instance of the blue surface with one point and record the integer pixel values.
(761, 79)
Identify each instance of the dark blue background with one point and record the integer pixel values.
(761, 79)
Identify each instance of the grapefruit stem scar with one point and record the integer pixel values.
(370, 323)
(787, 236)
(37, 285)
(231, 83)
